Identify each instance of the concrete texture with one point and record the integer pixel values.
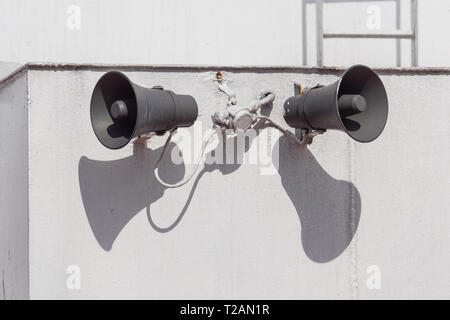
(14, 261)
(309, 230)
(252, 32)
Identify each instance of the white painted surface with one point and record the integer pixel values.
(7, 68)
(14, 190)
(406, 180)
(248, 247)
(254, 32)
(243, 235)
(277, 237)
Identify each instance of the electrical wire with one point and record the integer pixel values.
(272, 123)
(307, 137)
(265, 99)
(194, 169)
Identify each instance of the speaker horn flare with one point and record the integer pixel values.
(356, 104)
(121, 110)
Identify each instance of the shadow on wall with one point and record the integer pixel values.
(113, 192)
(329, 210)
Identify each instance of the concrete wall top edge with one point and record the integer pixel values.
(195, 68)
(13, 76)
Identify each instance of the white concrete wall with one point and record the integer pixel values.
(256, 32)
(288, 235)
(14, 189)
(405, 181)
(310, 230)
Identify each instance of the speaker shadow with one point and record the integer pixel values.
(328, 209)
(113, 192)
(224, 169)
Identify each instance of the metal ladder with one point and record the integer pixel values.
(396, 34)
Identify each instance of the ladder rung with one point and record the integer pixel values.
(396, 34)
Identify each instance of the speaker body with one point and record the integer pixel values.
(122, 110)
(356, 104)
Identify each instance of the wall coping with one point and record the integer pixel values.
(40, 66)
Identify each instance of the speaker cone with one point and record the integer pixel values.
(122, 110)
(356, 104)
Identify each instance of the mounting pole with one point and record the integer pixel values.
(415, 31)
(319, 32)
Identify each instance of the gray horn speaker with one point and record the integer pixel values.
(356, 104)
(122, 110)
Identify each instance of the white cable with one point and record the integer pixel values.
(197, 164)
(272, 123)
